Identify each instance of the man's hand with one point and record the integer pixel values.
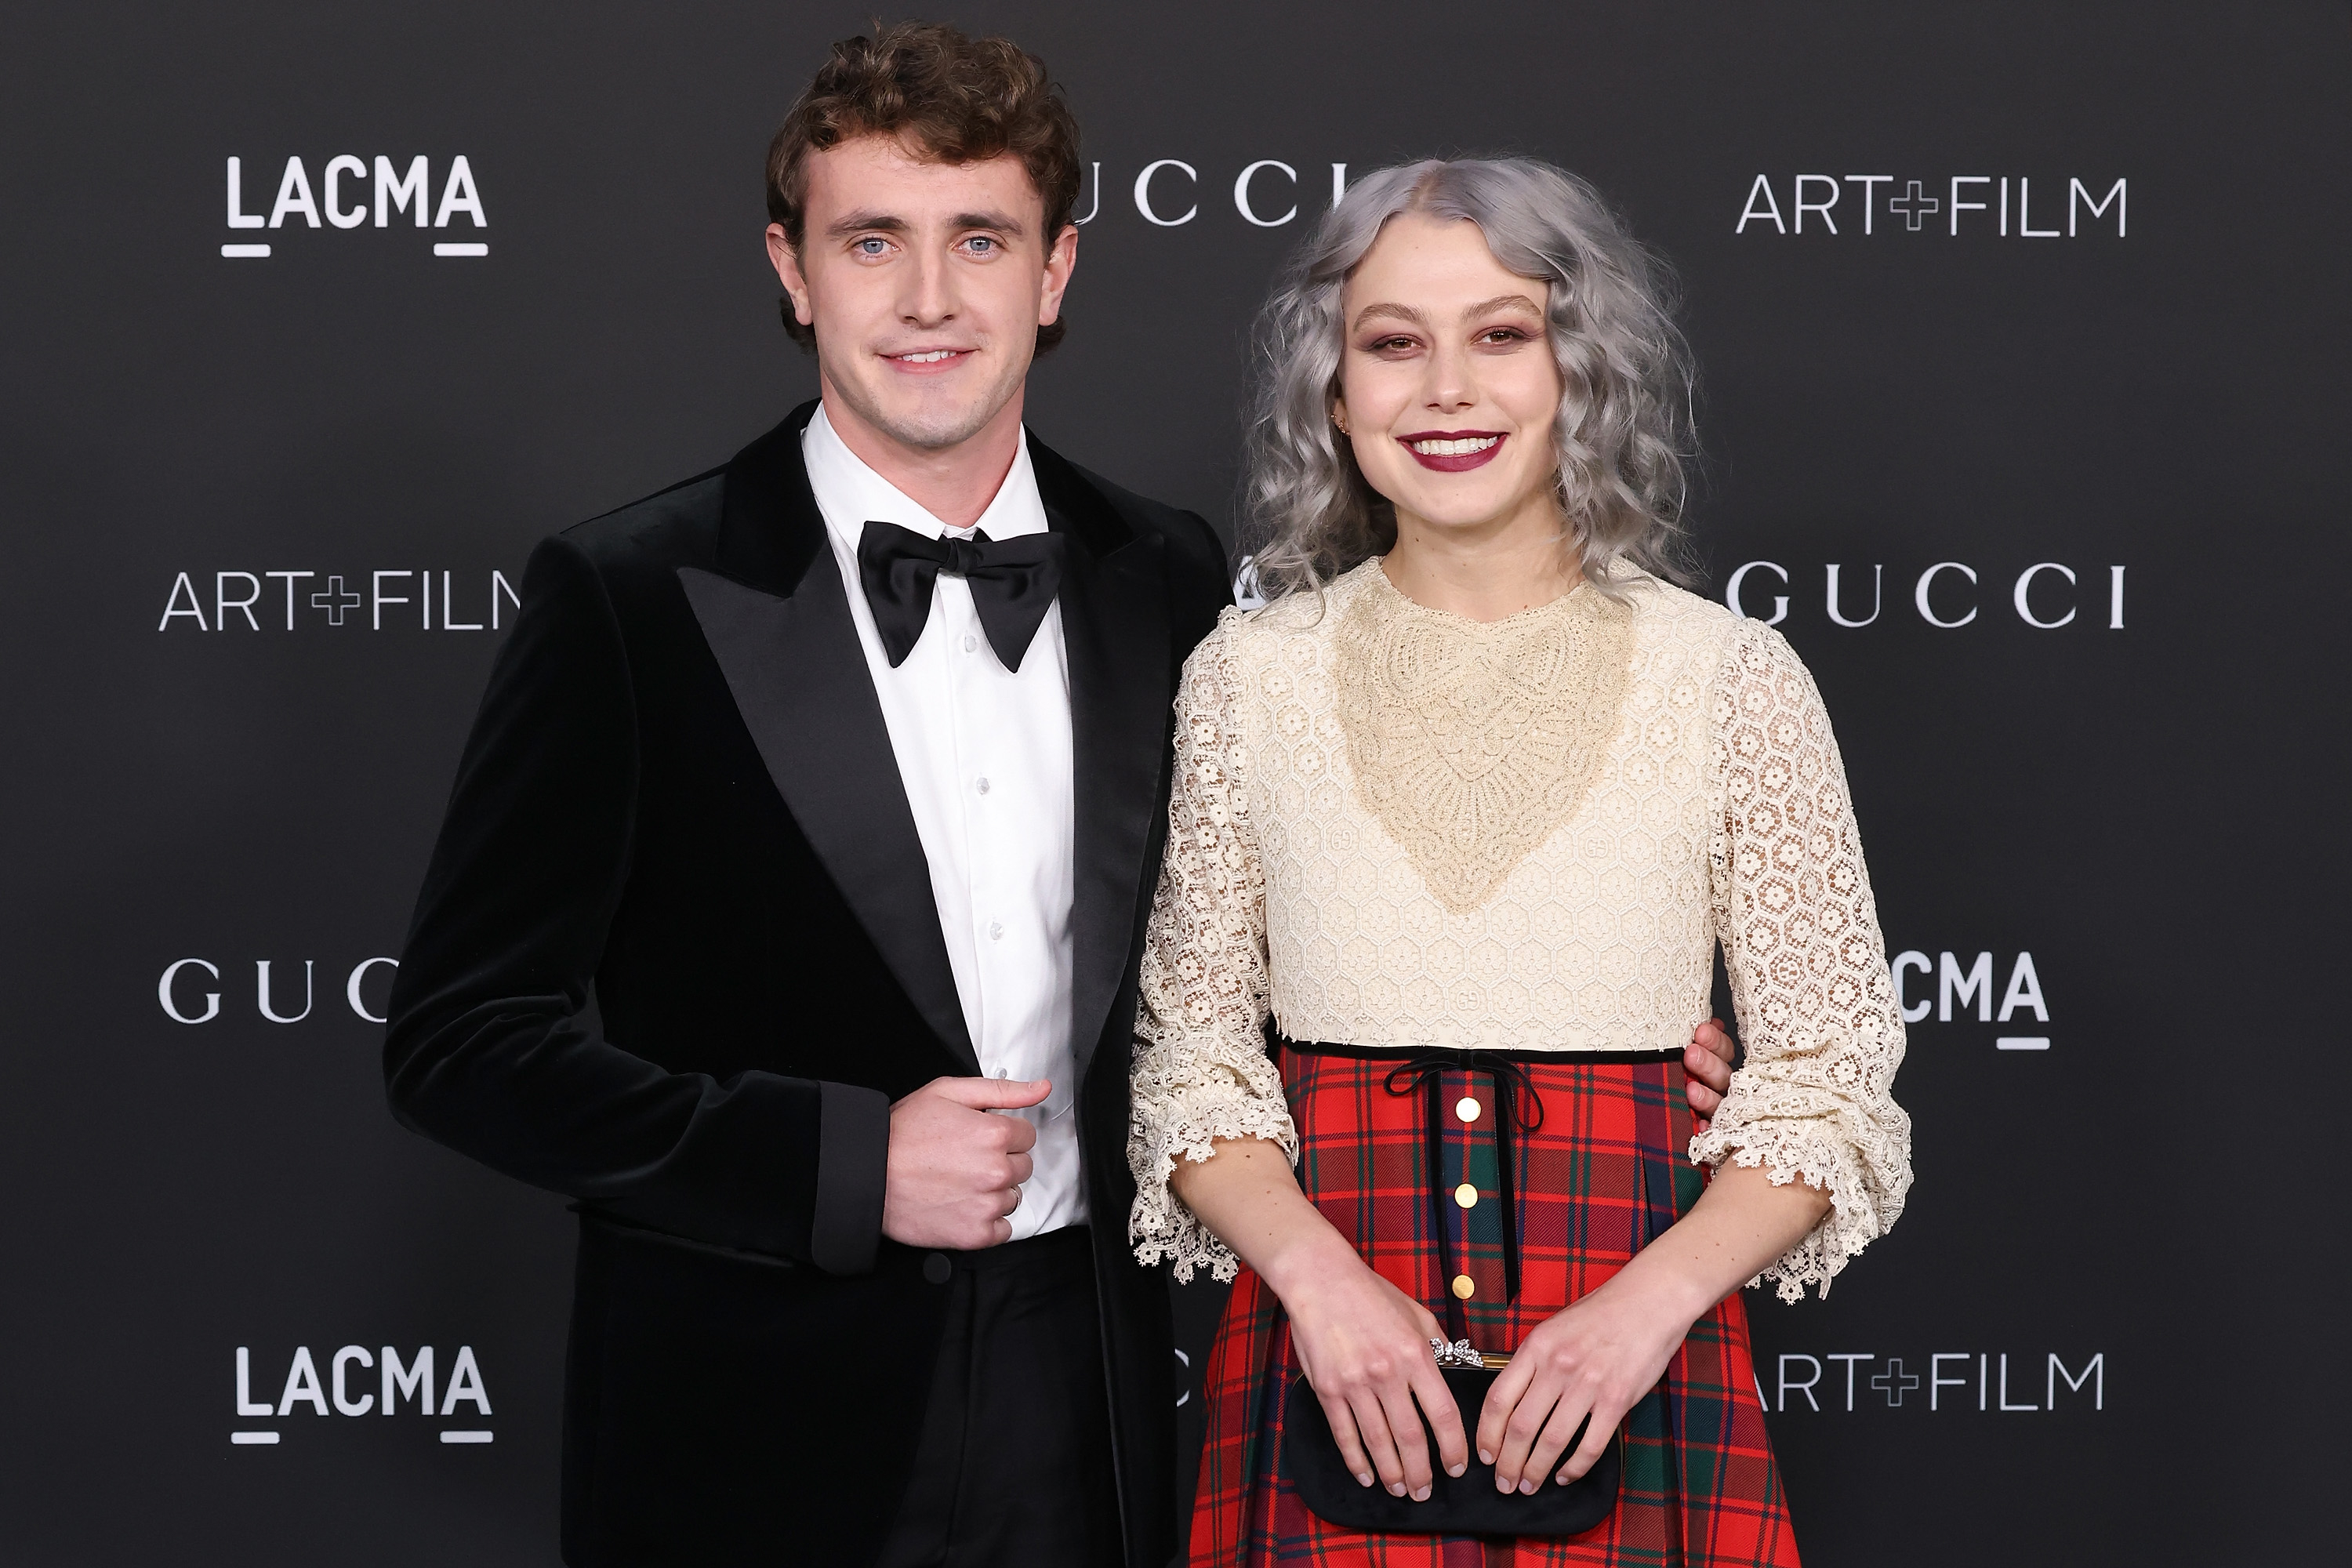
(955, 1172)
(1707, 1061)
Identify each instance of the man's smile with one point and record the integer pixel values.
(929, 360)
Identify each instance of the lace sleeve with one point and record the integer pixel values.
(1200, 1068)
(1808, 966)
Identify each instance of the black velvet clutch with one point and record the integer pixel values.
(1464, 1505)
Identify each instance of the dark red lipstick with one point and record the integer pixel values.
(1453, 462)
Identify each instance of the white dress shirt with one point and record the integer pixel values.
(984, 753)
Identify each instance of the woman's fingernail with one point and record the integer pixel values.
(1396, 1489)
(1562, 1477)
(1484, 1457)
(1457, 1470)
(1528, 1486)
(1501, 1485)
(1422, 1495)
(1364, 1478)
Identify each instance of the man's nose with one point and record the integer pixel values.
(928, 291)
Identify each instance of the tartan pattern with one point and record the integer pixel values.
(1604, 1174)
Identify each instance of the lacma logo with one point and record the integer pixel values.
(351, 194)
(351, 1383)
(1914, 205)
(1951, 984)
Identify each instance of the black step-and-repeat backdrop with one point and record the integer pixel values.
(2023, 331)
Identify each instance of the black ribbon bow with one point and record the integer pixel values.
(1014, 581)
(1427, 1071)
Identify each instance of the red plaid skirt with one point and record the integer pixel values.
(1605, 1173)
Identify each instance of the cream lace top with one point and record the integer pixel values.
(1395, 826)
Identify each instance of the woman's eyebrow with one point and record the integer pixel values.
(1504, 302)
(1482, 307)
(1401, 312)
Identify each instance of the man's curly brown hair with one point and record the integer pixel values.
(952, 97)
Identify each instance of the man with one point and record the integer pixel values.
(787, 908)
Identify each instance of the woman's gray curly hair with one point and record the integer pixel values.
(1624, 432)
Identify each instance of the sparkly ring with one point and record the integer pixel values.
(1457, 1354)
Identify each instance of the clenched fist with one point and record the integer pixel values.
(955, 1171)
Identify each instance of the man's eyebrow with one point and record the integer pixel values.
(1001, 221)
(889, 223)
(856, 222)
(1383, 308)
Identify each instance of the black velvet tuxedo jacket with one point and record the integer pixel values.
(676, 953)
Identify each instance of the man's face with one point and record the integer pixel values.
(926, 283)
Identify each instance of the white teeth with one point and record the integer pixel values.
(931, 356)
(1461, 448)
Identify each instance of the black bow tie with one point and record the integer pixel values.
(1013, 584)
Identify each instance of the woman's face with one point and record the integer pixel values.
(1447, 385)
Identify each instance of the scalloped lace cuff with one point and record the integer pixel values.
(1186, 1098)
(1865, 1185)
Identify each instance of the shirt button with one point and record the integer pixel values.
(996, 930)
(1466, 1109)
(1464, 1287)
(969, 642)
(982, 786)
(1467, 1196)
(937, 1268)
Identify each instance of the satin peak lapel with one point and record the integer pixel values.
(800, 681)
(1114, 622)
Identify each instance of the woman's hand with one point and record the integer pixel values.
(1605, 1351)
(1595, 1358)
(1364, 1346)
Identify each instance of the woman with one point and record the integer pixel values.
(1465, 808)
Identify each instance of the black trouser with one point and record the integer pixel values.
(1013, 1465)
